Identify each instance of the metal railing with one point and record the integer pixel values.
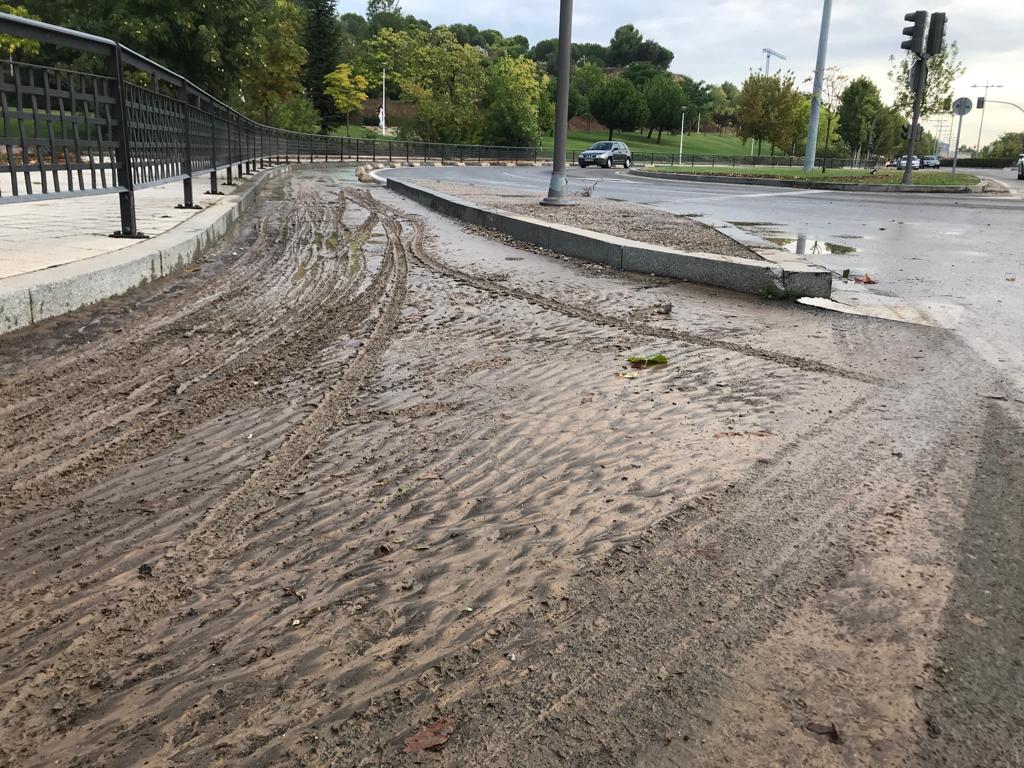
(67, 133)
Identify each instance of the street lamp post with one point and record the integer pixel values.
(557, 192)
(819, 76)
(682, 130)
(986, 86)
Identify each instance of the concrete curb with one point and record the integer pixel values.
(28, 298)
(801, 184)
(789, 280)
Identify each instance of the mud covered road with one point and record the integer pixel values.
(361, 470)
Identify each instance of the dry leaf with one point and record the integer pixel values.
(432, 736)
(829, 730)
(865, 279)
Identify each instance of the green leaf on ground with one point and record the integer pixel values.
(639, 361)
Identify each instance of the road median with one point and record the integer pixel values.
(782, 280)
(837, 186)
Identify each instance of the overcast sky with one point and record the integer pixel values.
(719, 40)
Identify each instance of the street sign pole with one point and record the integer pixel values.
(956, 152)
(960, 108)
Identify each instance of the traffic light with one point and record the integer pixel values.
(981, 102)
(936, 34)
(915, 33)
(905, 131)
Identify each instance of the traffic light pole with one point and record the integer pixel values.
(922, 76)
(557, 187)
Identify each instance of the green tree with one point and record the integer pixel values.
(210, 43)
(1007, 145)
(347, 91)
(943, 70)
(624, 47)
(276, 59)
(322, 38)
(765, 108)
(859, 106)
(296, 114)
(375, 7)
(442, 78)
(640, 73)
(618, 105)
(10, 45)
(665, 101)
(723, 103)
(512, 99)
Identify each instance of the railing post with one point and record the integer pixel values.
(238, 141)
(230, 182)
(213, 157)
(122, 136)
(187, 181)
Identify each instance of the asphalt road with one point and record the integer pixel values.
(956, 257)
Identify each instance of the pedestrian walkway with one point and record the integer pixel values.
(41, 234)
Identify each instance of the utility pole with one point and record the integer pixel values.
(981, 105)
(819, 76)
(557, 188)
(384, 101)
(768, 53)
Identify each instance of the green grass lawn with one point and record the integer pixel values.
(693, 143)
(848, 175)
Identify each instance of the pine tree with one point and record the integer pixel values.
(322, 40)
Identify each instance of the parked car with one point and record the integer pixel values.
(915, 163)
(930, 161)
(606, 154)
(1020, 167)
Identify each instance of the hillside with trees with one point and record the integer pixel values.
(299, 64)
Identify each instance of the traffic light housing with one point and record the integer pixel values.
(915, 33)
(905, 131)
(936, 34)
(981, 102)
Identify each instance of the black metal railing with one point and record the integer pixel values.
(138, 124)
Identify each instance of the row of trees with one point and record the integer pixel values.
(854, 119)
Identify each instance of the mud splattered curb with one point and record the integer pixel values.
(28, 298)
(788, 280)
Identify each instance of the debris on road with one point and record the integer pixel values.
(432, 736)
(829, 730)
(639, 361)
(865, 279)
(145, 571)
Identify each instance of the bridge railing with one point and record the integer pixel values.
(135, 124)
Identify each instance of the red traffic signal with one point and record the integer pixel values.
(915, 32)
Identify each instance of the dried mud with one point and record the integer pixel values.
(361, 470)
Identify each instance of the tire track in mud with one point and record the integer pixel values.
(191, 565)
(165, 394)
(598, 318)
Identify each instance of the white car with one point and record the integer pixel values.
(915, 163)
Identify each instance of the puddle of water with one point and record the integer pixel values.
(751, 223)
(803, 245)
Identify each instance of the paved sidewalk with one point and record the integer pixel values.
(46, 233)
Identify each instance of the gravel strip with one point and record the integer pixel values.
(610, 217)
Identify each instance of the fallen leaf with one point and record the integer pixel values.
(432, 736)
(639, 361)
(829, 730)
(628, 375)
(865, 279)
(1011, 279)
(145, 571)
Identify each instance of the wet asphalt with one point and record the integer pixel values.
(957, 257)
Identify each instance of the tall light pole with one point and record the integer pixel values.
(819, 76)
(682, 130)
(986, 86)
(768, 53)
(557, 189)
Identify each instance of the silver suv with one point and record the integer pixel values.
(606, 154)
